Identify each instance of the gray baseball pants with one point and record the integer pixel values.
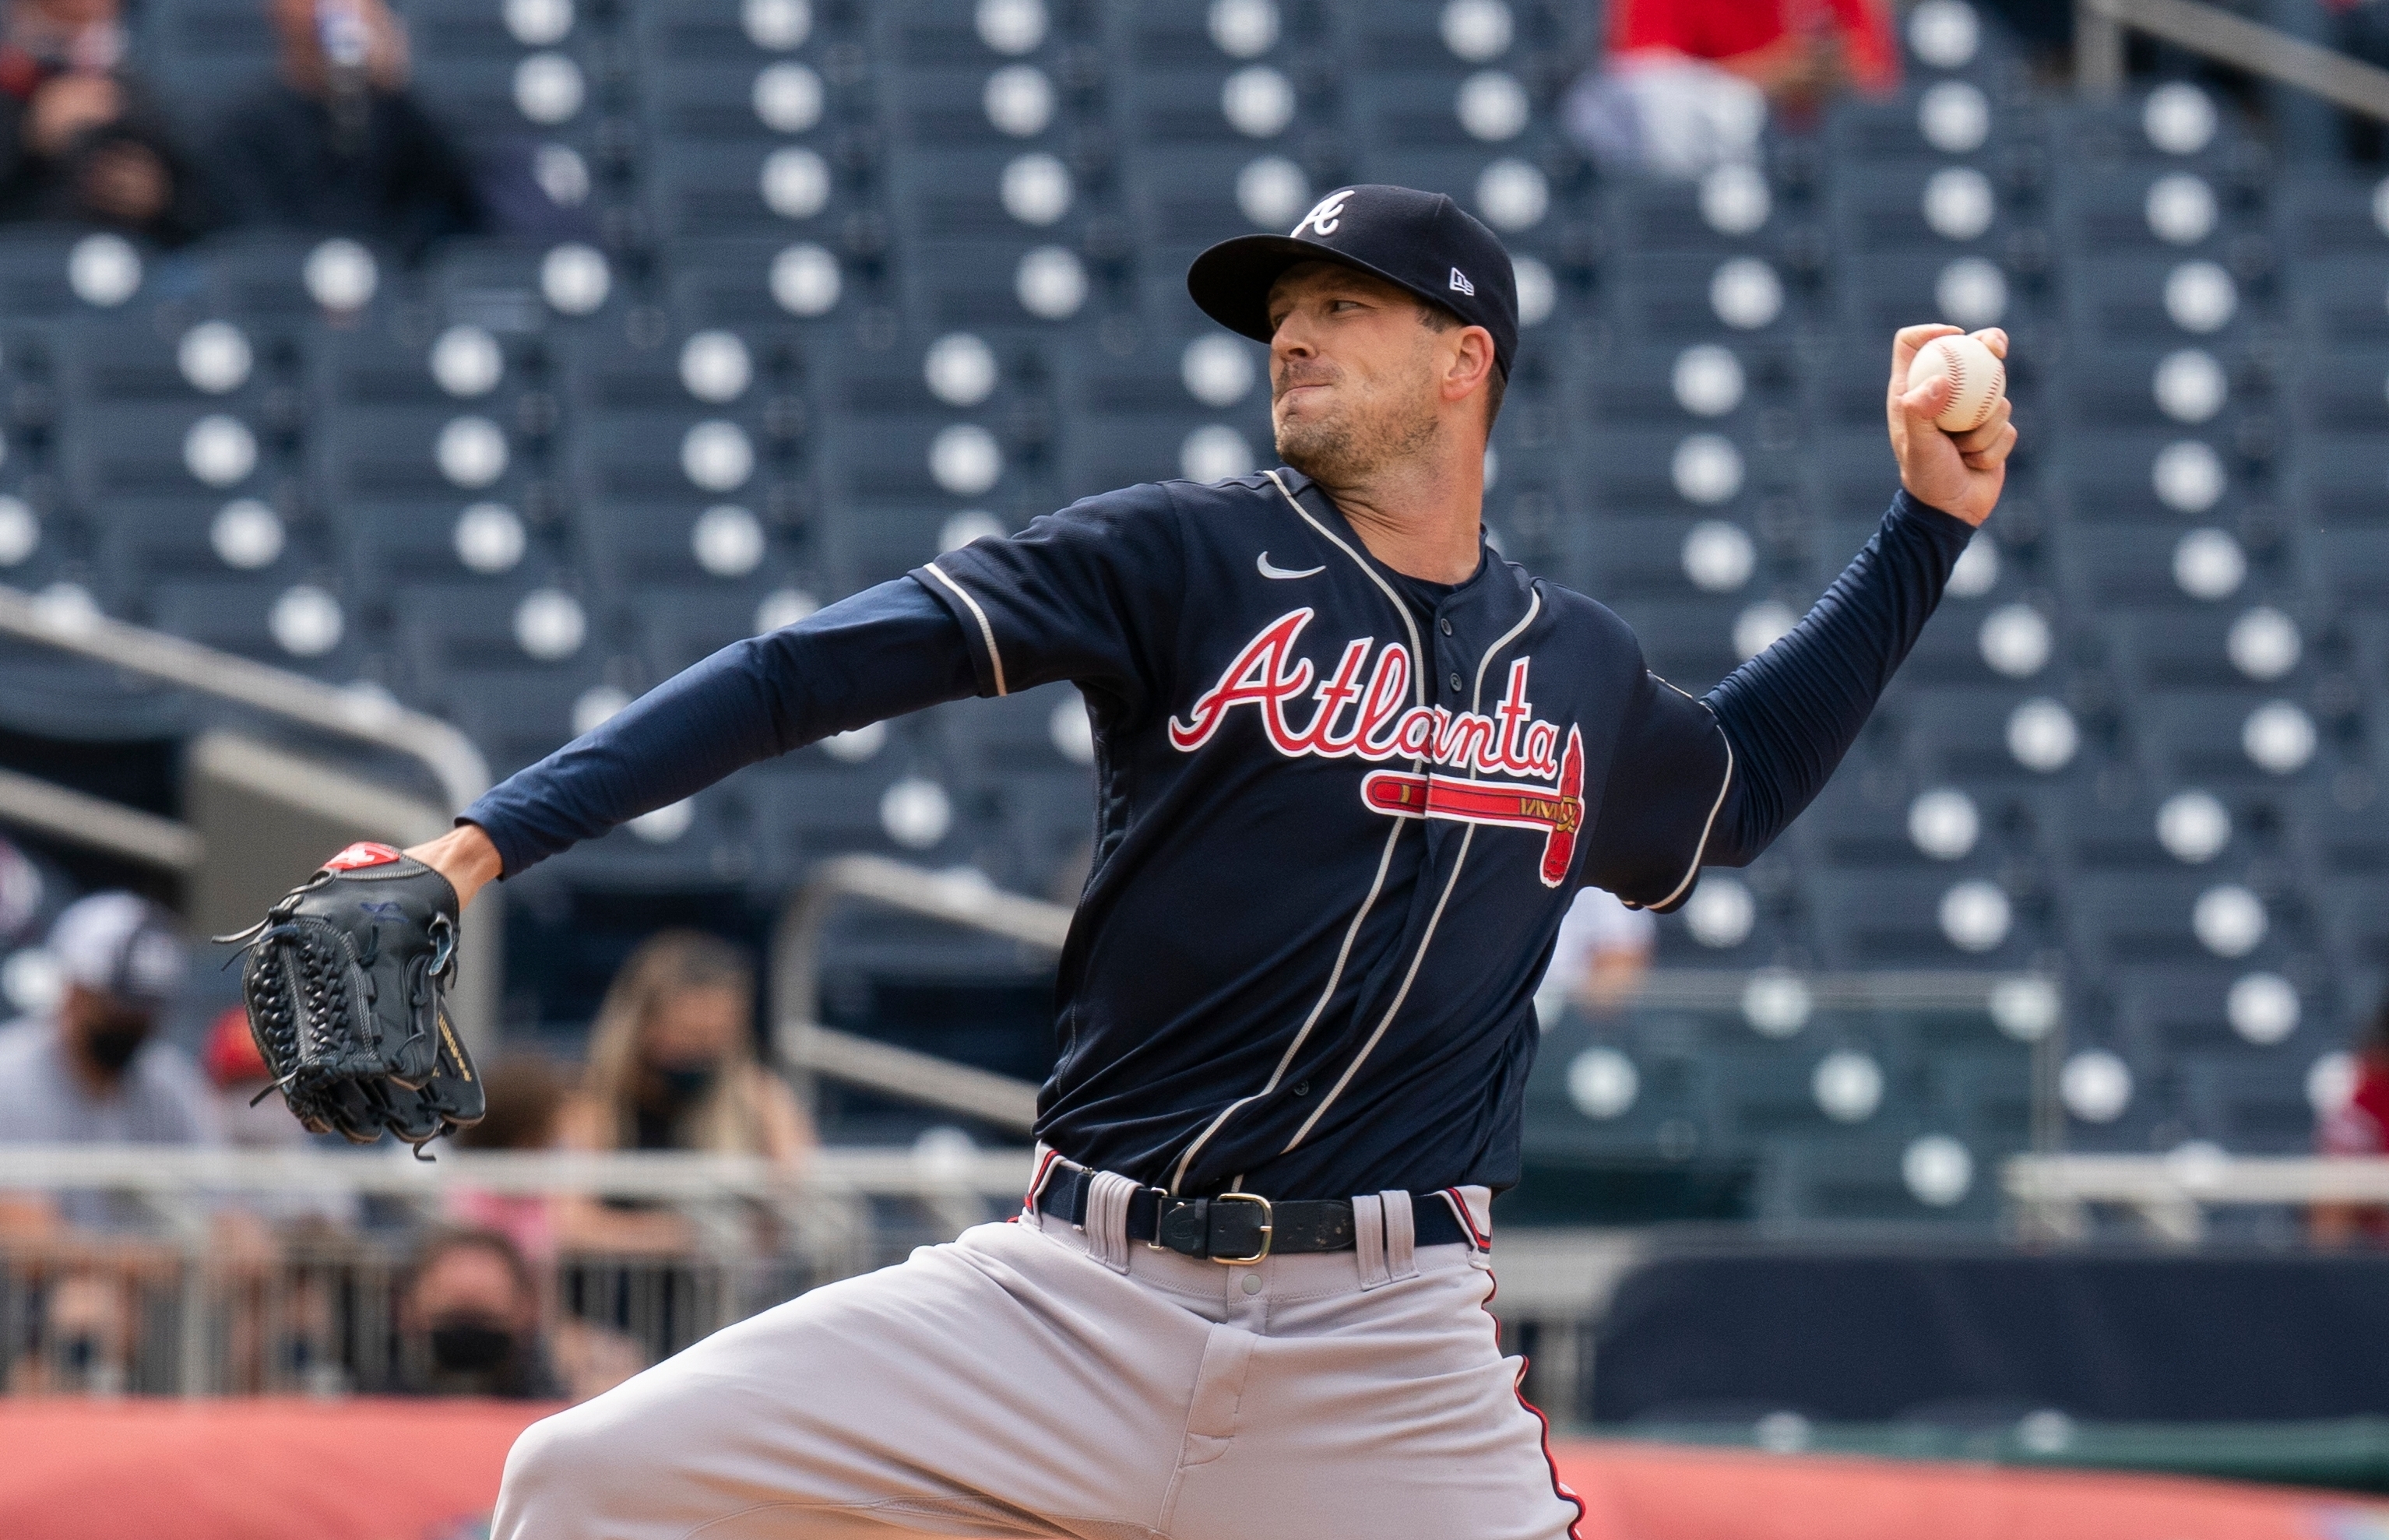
(1036, 1379)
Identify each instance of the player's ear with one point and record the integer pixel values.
(1469, 363)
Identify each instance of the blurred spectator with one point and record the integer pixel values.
(91, 1070)
(251, 1120)
(80, 137)
(22, 890)
(254, 1117)
(1687, 84)
(526, 1100)
(468, 1321)
(337, 143)
(1602, 952)
(2358, 1126)
(672, 1066)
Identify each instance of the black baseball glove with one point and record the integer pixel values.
(344, 984)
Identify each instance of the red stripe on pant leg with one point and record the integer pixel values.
(1560, 1489)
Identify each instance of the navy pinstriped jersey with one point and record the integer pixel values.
(1335, 833)
(1341, 812)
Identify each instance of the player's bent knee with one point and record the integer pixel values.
(558, 1469)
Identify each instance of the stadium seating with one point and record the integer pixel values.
(862, 282)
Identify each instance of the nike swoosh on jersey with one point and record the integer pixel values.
(1268, 570)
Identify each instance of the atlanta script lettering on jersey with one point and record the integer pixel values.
(1367, 721)
(1370, 719)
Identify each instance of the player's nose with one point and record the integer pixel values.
(1292, 336)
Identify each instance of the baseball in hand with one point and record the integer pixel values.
(1979, 380)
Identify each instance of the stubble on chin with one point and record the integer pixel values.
(1337, 449)
(1320, 448)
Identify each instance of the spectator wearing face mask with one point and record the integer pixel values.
(90, 1069)
(468, 1322)
(672, 1066)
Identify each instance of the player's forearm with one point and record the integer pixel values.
(884, 651)
(1793, 712)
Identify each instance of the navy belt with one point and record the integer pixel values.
(1239, 1227)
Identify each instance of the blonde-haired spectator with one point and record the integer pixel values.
(672, 1066)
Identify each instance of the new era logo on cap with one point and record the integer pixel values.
(1459, 283)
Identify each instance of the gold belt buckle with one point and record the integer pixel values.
(1268, 1227)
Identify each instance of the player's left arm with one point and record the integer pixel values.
(1790, 713)
(1712, 782)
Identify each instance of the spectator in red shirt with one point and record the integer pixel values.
(1687, 84)
(1797, 51)
(2358, 1126)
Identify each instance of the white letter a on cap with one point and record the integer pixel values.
(1325, 215)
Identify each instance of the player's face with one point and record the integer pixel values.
(1352, 373)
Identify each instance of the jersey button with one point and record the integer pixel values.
(1302, 1088)
(1456, 684)
(1447, 624)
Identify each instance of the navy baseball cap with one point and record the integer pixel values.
(1423, 242)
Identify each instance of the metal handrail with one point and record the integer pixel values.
(663, 1176)
(78, 817)
(2198, 1175)
(806, 1048)
(360, 715)
(2050, 1195)
(2233, 39)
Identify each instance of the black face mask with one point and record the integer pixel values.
(685, 1084)
(112, 1045)
(469, 1344)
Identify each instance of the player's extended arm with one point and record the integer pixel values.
(1791, 712)
(884, 651)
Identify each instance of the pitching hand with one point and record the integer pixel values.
(1959, 473)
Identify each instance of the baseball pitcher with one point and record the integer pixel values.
(1352, 767)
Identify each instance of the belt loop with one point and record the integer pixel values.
(1401, 1236)
(1106, 1224)
(1369, 1240)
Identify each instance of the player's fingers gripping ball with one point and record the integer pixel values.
(345, 982)
(1977, 380)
